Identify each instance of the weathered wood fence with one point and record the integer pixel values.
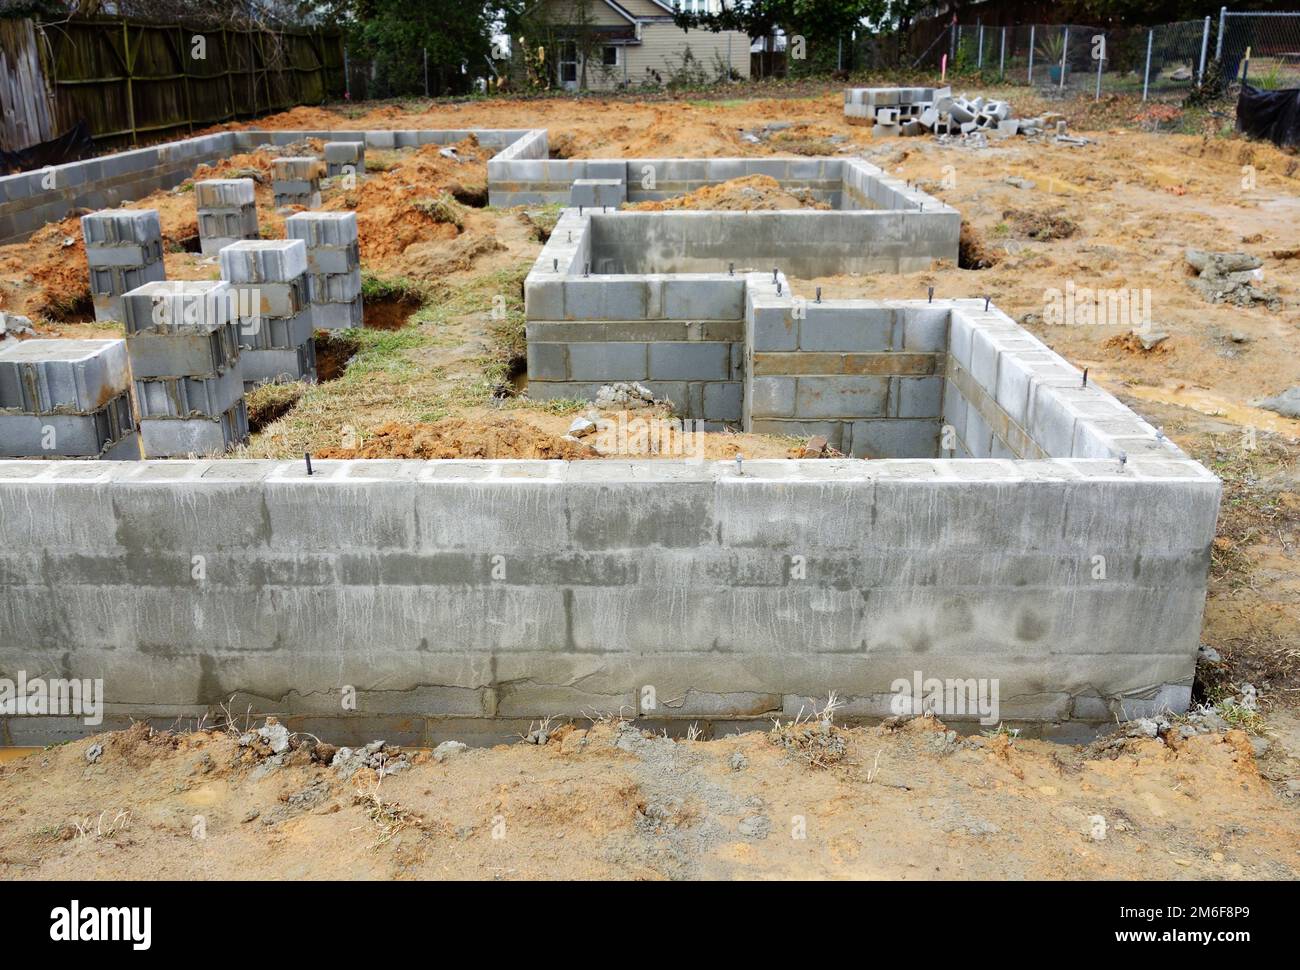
(135, 82)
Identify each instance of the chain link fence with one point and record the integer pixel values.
(1264, 47)
(1158, 62)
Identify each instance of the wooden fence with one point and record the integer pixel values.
(26, 108)
(135, 82)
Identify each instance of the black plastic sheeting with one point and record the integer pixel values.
(73, 144)
(1274, 115)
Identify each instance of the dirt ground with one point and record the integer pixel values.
(438, 373)
(614, 802)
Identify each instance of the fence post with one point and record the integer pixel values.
(839, 53)
(1218, 43)
(130, 70)
(347, 75)
(1002, 57)
(1031, 55)
(426, 71)
(979, 61)
(1205, 43)
(1101, 60)
(1146, 74)
(1065, 51)
(952, 43)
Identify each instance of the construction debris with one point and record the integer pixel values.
(920, 111)
(1231, 278)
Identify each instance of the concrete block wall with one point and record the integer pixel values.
(681, 336)
(536, 179)
(30, 200)
(866, 375)
(802, 243)
(617, 576)
(1008, 395)
(66, 399)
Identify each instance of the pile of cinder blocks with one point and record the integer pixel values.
(345, 158)
(890, 107)
(66, 399)
(269, 278)
(922, 111)
(333, 266)
(227, 213)
(296, 181)
(124, 251)
(184, 350)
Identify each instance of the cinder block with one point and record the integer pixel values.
(335, 287)
(317, 229)
(121, 227)
(895, 438)
(264, 261)
(547, 361)
(66, 435)
(278, 366)
(772, 328)
(224, 193)
(696, 361)
(177, 438)
(598, 193)
(343, 155)
(276, 333)
(187, 397)
(76, 376)
(846, 329)
(185, 354)
(332, 260)
(299, 168)
(608, 362)
(173, 306)
(772, 397)
(919, 397)
(338, 316)
(723, 401)
(841, 397)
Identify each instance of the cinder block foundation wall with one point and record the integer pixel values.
(867, 375)
(616, 576)
(29, 200)
(531, 178)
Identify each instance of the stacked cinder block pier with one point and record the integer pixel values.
(184, 350)
(66, 399)
(227, 212)
(345, 158)
(124, 251)
(296, 181)
(269, 280)
(333, 266)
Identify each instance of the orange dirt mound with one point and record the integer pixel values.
(388, 219)
(499, 437)
(751, 193)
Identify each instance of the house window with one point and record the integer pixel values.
(694, 6)
(609, 56)
(568, 63)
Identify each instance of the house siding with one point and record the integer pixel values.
(660, 49)
(662, 45)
